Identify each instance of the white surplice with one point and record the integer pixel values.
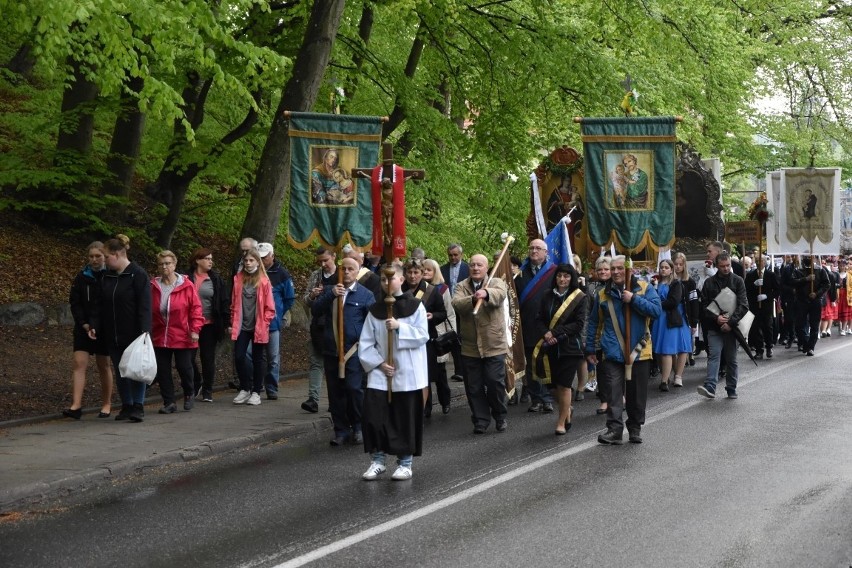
(409, 352)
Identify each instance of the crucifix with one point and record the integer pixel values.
(387, 184)
(388, 193)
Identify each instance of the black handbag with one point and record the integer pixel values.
(446, 342)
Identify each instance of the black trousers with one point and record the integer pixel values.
(635, 391)
(762, 334)
(808, 316)
(346, 396)
(485, 387)
(183, 363)
(441, 385)
(207, 341)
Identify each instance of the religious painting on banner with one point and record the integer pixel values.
(630, 181)
(810, 210)
(326, 202)
(846, 221)
(556, 191)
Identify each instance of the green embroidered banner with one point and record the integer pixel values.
(630, 181)
(326, 201)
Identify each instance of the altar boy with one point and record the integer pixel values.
(394, 425)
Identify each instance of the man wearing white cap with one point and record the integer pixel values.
(284, 295)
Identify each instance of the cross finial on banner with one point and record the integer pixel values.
(627, 83)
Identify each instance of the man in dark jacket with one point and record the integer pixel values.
(531, 284)
(721, 341)
(761, 289)
(284, 295)
(346, 394)
(810, 286)
(454, 272)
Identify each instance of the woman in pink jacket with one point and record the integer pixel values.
(252, 310)
(175, 324)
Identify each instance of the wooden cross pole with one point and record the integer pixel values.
(387, 209)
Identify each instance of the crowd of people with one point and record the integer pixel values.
(374, 333)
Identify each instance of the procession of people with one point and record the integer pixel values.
(375, 328)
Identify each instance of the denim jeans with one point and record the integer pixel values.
(130, 391)
(273, 362)
(404, 461)
(721, 345)
(250, 364)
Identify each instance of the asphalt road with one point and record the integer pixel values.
(765, 480)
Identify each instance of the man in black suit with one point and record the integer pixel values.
(454, 271)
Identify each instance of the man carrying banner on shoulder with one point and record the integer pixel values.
(619, 326)
(366, 277)
(345, 395)
(533, 282)
(721, 340)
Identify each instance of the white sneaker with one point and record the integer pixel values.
(842, 333)
(254, 399)
(678, 381)
(375, 470)
(402, 473)
(242, 397)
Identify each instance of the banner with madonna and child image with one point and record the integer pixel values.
(630, 181)
(327, 202)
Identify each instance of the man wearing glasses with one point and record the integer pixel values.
(531, 285)
(623, 310)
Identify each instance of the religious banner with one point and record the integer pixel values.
(556, 189)
(516, 361)
(326, 202)
(809, 210)
(773, 226)
(630, 181)
(846, 221)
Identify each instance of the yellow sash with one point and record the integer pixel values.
(553, 321)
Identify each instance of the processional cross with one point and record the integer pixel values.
(387, 185)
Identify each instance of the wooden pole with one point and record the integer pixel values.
(341, 357)
(389, 272)
(509, 240)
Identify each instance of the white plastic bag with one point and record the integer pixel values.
(138, 361)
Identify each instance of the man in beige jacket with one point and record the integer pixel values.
(483, 345)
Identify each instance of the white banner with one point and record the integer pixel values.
(809, 211)
(773, 198)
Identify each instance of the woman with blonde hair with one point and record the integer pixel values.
(252, 310)
(176, 323)
(671, 338)
(124, 314)
(84, 298)
(432, 275)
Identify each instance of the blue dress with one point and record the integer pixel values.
(667, 340)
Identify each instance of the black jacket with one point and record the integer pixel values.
(85, 295)
(124, 311)
(711, 289)
(432, 302)
(771, 287)
(802, 285)
(569, 330)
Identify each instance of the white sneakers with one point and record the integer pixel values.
(402, 473)
(246, 397)
(375, 470)
(678, 381)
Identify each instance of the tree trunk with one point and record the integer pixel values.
(77, 122)
(365, 30)
(23, 62)
(125, 145)
(300, 94)
(398, 113)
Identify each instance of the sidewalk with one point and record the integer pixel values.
(52, 457)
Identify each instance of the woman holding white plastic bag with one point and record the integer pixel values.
(123, 314)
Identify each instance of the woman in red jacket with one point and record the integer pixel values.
(252, 310)
(175, 324)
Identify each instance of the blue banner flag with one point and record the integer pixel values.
(558, 252)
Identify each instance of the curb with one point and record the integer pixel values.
(29, 494)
